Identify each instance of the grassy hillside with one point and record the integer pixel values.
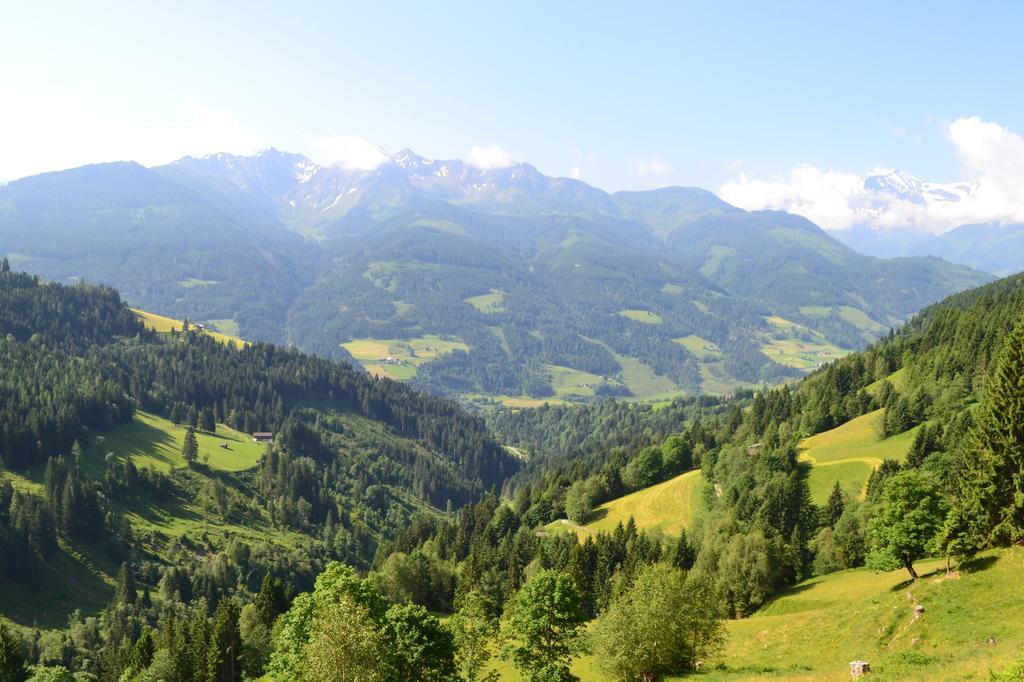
(406, 354)
(813, 630)
(159, 323)
(849, 453)
(153, 441)
(667, 507)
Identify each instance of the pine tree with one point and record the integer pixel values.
(684, 555)
(835, 506)
(206, 420)
(12, 658)
(271, 600)
(922, 446)
(125, 592)
(225, 643)
(996, 471)
(190, 448)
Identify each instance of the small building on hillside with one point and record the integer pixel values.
(263, 437)
(859, 668)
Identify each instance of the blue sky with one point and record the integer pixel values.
(622, 95)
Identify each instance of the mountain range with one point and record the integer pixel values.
(992, 247)
(484, 283)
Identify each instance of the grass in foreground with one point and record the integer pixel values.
(813, 630)
(971, 625)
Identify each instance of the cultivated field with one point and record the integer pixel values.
(408, 353)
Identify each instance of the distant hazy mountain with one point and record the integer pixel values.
(989, 247)
(501, 282)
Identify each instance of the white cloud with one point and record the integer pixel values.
(43, 130)
(488, 158)
(347, 151)
(653, 166)
(991, 191)
(828, 198)
(575, 172)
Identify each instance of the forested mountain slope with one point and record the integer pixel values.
(501, 282)
(949, 376)
(124, 444)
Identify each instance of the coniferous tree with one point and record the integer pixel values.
(225, 651)
(206, 420)
(190, 448)
(125, 591)
(995, 469)
(684, 555)
(834, 506)
(12, 657)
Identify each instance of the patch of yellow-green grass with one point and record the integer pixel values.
(396, 372)
(701, 306)
(154, 441)
(779, 322)
(813, 630)
(898, 379)
(518, 453)
(526, 402)
(642, 380)
(859, 319)
(492, 302)
(667, 507)
(850, 452)
(416, 350)
(645, 316)
(700, 348)
(716, 381)
(568, 381)
(406, 354)
(800, 354)
(402, 307)
(815, 310)
(851, 474)
(227, 326)
(193, 282)
(717, 255)
(159, 323)
(670, 288)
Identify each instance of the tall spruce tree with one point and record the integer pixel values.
(125, 592)
(835, 505)
(190, 448)
(995, 468)
(224, 663)
(12, 657)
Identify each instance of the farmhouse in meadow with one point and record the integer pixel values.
(263, 437)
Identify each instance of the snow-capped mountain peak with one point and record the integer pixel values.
(914, 190)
